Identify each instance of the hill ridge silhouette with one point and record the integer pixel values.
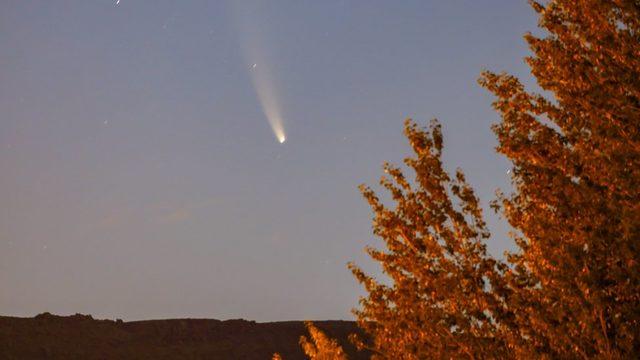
(48, 336)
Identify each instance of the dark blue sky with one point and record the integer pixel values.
(140, 178)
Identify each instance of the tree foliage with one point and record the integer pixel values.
(572, 289)
(320, 346)
(444, 296)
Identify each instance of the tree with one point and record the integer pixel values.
(576, 166)
(321, 347)
(572, 290)
(444, 298)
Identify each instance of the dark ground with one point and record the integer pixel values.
(48, 336)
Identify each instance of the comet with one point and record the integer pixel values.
(252, 38)
(263, 85)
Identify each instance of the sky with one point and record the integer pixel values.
(140, 174)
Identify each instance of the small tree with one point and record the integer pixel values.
(321, 347)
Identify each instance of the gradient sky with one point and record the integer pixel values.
(139, 177)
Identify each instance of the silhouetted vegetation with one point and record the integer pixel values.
(81, 337)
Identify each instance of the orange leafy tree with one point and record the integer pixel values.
(572, 290)
(320, 346)
(445, 298)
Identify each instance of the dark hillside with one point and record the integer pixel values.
(48, 336)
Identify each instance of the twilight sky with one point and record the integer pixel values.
(140, 178)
